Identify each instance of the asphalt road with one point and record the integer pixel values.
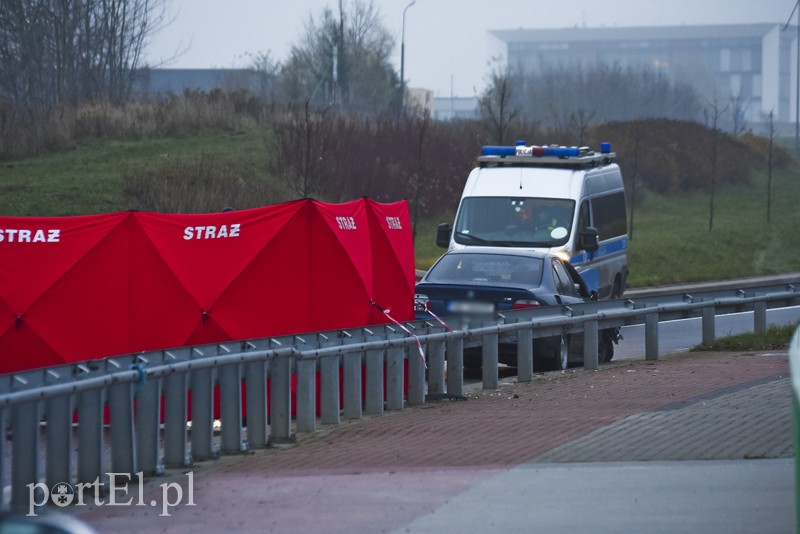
(683, 334)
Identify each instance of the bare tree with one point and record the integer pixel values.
(769, 165)
(712, 114)
(267, 72)
(421, 177)
(497, 107)
(344, 59)
(580, 121)
(68, 51)
(299, 160)
(553, 94)
(738, 122)
(633, 172)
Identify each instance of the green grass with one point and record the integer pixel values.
(425, 250)
(776, 337)
(670, 241)
(88, 178)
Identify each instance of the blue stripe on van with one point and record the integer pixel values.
(591, 277)
(606, 249)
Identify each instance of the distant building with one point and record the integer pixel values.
(161, 82)
(419, 99)
(457, 107)
(754, 64)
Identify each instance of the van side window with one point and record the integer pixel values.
(584, 221)
(609, 215)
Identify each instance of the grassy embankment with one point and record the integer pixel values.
(89, 178)
(670, 243)
(777, 337)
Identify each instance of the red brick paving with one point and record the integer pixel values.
(518, 422)
(413, 461)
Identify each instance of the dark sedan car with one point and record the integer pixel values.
(487, 280)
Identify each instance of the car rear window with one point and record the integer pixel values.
(487, 269)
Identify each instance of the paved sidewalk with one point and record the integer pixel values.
(495, 460)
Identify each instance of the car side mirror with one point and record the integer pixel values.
(589, 239)
(443, 235)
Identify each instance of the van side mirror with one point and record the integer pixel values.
(589, 239)
(443, 235)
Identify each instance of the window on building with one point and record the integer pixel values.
(747, 60)
(725, 60)
(736, 85)
(756, 86)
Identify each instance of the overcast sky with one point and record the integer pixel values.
(447, 43)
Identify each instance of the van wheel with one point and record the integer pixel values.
(561, 356)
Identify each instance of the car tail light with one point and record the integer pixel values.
(421, 302)
(524, 303)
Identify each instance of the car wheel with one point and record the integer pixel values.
(605, 348)
(561, 356)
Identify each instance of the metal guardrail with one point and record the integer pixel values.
(150, 398)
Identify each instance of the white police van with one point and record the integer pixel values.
(569, 201)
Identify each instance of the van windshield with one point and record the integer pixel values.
(514, 221)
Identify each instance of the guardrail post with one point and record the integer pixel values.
(25, 452)
(58, 411)
(90, 436)
(651, 336)
(352, 385)
(230, 408)
(760, 315)
(525, 354)
(123, 437)
(436, 367)
(416, 376)
(306, 395)
(202, 385)
(709, 317)
(280, 398)
(455, 366)
(329, 389)
(395, 357)
(375, 375)
(590, 343)
(489, 354)
(202, 434)
(175, 392)
(255, 379)
(148, 422)
(3, 459)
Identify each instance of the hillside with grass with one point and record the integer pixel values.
(204, 154)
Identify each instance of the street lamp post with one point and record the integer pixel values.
(797, 80)
(403, 60)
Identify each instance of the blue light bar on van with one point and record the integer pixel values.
(541, 151)
(555, 151)
(498, 150)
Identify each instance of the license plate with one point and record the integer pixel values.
(458, 306)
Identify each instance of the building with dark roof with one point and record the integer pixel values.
(753, 64)
(161, 82)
